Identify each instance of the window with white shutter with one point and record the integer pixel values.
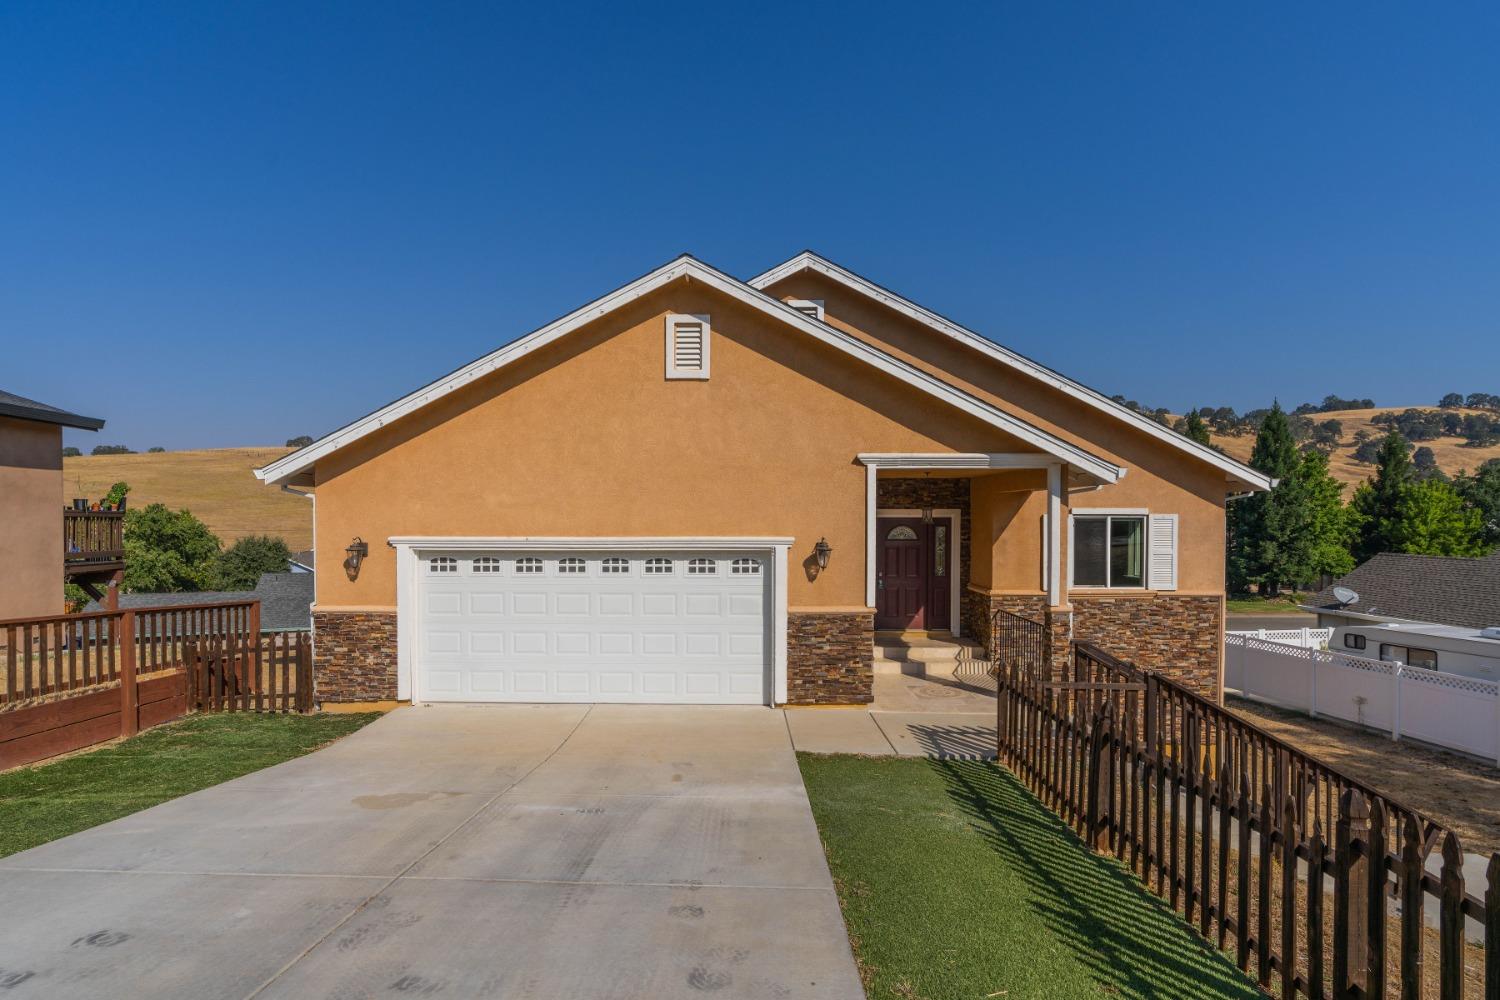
(1163, 560)
(687, 346)
(811, 307)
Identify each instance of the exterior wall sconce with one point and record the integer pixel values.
(357, 550)
(821, 552)
(926, 515)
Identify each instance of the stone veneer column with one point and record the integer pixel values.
(354, 656)
(829, 658)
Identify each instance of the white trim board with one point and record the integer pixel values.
(301, 461)
(1237, 472)
(409, 547)
(955, 529)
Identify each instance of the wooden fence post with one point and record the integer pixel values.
(130, 719)
(252, 663)
(1451, 921)
(1492, 929)
(304, 674)
(1100, 795)
(1412, 898)
(1351, 897)
(1376, 899)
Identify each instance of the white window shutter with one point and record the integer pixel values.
(1162, 530)
(687, 346)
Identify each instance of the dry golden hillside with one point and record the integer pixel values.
(1451, 454)
(216, 485)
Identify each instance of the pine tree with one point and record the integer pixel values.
(1194, 427)
(1275, 453)
(1377, 500)
(1307, 528)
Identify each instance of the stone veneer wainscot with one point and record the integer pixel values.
(354, 656)
(830, 658)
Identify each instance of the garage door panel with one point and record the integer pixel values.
(643, 627)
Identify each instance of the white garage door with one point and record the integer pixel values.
(664, 627)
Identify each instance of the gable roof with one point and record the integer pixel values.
(22, 408)
(285, 600)
(300, 462)
(1440, 589)
(1239, 475)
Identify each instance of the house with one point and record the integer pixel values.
(34, 556)
(301, 562)
(701, 489)
(1396, 587)
(285, 600)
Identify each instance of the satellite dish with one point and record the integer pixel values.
(1344, 595)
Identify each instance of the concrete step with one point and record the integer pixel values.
(920, 656)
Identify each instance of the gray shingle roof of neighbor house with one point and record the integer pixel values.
(303, 558)
(1439, 589)
(12, 405)
(285, 600)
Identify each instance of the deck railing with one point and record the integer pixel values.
(92, 538)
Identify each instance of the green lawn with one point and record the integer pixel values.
(1254, 604)
(956, 884)
(42, 803)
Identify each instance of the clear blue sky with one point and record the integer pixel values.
(231, 224)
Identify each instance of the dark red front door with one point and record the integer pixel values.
(902, 574)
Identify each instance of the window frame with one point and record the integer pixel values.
(1108, 515)
(1405, 661)
(1353, 640)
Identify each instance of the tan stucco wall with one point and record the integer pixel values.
(589, 438)
(1007, 510)
(1161, 478)
(31, 532)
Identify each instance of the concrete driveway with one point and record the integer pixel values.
(498, 851)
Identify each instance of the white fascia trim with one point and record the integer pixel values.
(962, 460)
(955, 523)
(408, 547)
(809, 261)
(628, 543)
(300, 461)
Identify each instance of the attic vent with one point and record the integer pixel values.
(810, 307)
(687, 346)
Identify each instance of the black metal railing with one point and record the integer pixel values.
(1015, 641)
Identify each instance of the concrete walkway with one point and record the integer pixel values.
(912, 716)
(495, 851)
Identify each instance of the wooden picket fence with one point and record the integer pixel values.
(73, 681)
(1245, 835)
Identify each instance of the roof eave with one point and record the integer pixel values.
(1236, 473)
(302, 461)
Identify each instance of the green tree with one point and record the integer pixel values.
(1194, 427)
(71, 452)
(1275, 453)
(167, 550)
(1433, 520)
(1307, 530)
(299, 442)
(1482, 492)
(239, 567)
(1377, 500)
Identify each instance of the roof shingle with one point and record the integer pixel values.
(1438, 589)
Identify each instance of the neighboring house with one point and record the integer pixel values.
(285, 600)
(301, 562)
(1396, 587)
(33, 557)
(701, 489)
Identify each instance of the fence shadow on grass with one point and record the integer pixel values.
(955, 742)
(1130, 941)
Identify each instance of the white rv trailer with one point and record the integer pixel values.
(1451, 649)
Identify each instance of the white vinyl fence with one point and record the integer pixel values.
(1307, 638)
(1443, 709)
